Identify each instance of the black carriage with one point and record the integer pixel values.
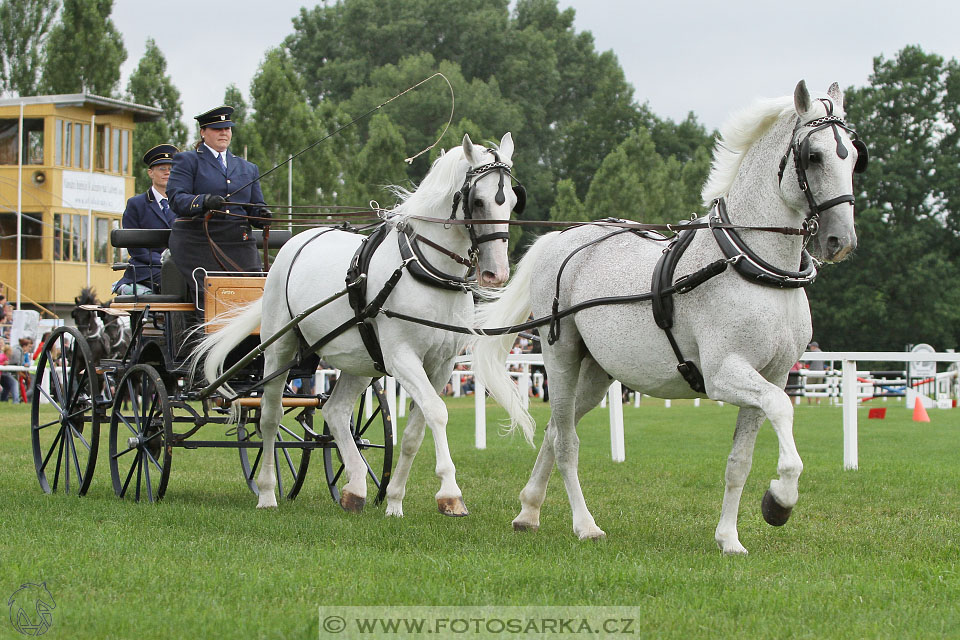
(154, 407)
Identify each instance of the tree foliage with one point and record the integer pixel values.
(24, 27)
(149, 84)
(85, 50)
(900, 286)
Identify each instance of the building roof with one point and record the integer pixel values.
(103, 105)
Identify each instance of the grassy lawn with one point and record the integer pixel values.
(873, 553)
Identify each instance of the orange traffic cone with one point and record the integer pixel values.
(919, 412)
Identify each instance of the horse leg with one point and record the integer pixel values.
(337, 411)
(590, 390)
(409, 372)
(738, 468)
(409, 445)
(739, 383)
(271, 412)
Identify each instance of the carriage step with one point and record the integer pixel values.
(286, 402)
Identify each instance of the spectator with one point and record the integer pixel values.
(8, 382)
(815, 366)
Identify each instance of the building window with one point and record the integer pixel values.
(85, 147)
(58, 142)
(68, 144)
(31, 236)
(70, 237)
(125, 151)
(100, 144)
(101, 241)
(32, 140)
(115, 155)
(119, 255)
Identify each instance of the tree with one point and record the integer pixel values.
(900, 286)
(567, 207)
(149, 84)
(84, 51)
(286, 124)
(24, 27)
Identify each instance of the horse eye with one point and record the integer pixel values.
(815, 157)
(477, 203)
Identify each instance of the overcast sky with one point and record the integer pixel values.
(711, 58)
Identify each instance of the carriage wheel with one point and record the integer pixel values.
(65, 448)
(290, 462)
(376, 448)
(141, 429)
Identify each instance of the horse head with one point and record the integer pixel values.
(488, 197)
(817, 170)
(85, 319)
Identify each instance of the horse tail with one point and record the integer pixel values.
(506, 307)
(214, 348)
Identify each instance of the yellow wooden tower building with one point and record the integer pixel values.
(67, 193)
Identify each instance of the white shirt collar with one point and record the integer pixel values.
(216, 154)
(157, 196)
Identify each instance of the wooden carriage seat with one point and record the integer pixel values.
(174, 293)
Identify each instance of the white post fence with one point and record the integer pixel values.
(848, 385)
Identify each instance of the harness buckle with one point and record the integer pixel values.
(812, 225)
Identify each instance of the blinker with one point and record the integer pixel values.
(521, 194)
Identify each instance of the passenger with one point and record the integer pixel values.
(207, 179)
(149, 210)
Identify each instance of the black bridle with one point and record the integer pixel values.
(802, 157)
(464, 199)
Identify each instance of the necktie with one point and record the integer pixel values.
(165, 208)
(223, 161)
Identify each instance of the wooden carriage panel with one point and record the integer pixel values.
(226, 293)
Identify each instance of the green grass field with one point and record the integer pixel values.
(873, 553)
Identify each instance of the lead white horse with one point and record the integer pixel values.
(743, 331)
(434, 258)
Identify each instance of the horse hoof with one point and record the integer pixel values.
(452, 507)
(773, 513)
(352, 503)
(524, 526)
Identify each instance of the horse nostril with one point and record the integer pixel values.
(833, 244)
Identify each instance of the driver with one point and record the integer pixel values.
(206, 179)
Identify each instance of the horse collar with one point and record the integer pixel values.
(751, 266)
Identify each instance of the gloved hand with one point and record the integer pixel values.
(263, 212)
(211, 202)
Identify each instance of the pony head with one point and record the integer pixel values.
(488, 197)
(817, 177)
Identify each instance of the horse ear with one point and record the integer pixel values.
(801, 98)
(835, 93)
(468, 149)
(506, 146)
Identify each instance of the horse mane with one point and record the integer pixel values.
(88, 295)
(443, 180)
(737, 135)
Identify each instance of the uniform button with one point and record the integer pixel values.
(228, 181)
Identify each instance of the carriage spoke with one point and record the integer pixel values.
(255, 465)
(150, 458)
(276, 470)
(336, 476)
(293, 467)
(56, 472)
(146, 474)
(139, 475)
(124, 452)
(44, 426)
(72, 446)
(126, 482)
(289, 432)
(43, 392)
(77, 434)
(53, 446)
(123, 418)
(366, 425)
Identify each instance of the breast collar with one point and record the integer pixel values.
(749, 264)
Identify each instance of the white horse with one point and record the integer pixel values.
(743, 331)
(434, 259)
